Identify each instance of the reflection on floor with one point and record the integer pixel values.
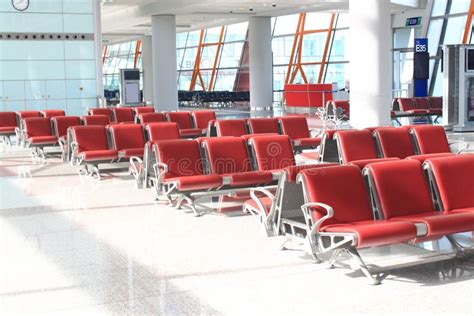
(73, 245)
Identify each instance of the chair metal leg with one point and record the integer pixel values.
(373, 280)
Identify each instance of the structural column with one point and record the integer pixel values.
(98, 50)
(147, 68)
(165, 87)
(260, 63)
(370, 44)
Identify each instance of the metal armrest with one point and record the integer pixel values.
(465, 146)
(160, 170)
(134, 163)
(257, 200)
(306, 208)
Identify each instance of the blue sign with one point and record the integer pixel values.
(420, 88)
(421, 45)
(413, 21)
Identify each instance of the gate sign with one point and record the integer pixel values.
(421, 45)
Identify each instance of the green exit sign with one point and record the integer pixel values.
(413, 21)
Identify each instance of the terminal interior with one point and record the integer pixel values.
(218, 157)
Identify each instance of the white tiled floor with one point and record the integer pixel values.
(70, 245)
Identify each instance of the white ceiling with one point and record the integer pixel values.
(124, 20)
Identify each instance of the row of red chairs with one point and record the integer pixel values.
(404, 208)
(420, 142)
(186, 170)
(418, 106)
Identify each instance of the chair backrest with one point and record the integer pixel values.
(98, 119)
(126, 136)
(231, 128)
(183, 119)
(263, 126)
(37, 126)
(202, 118)
(273, 152)
(8, 119)
(294, 126)
(422, 103)
(401, 188)
(26, 114)
(454, 179)
(342, 188)
(62, 123)
(394, 142)
(356, 145)
(146, 118)
(143, 109)
(89, 138)
(227, 155)
(406, 104)
(162, 131)
(123, 115)
(52, 113)
(182, 156)
(430, 139)
(102, 111)
(436, 102)
(343, 105)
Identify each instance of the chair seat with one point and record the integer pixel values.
(436, 111)
(250, 178)
(190, 132)
(463, 210)
(266, 202)
(419, 112)
(98, 155)
(43, 140)
(130, 152)
(7, 129)
(307, 142)
(422, 158)
(439, 223)
(376, 233)
(364, 162)
(199, 182)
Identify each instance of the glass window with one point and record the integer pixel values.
(212, 35)
(236, 32)
(434, 32)
(459, 6)
(181, 39)
(231, 54)
(455, 30)
(317, 21)
(286, 24)
(439, 7)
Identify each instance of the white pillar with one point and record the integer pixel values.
(260, 63)
(98, 49)
(147, 69)
(165, 87)
(370, 44)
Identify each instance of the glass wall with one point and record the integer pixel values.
(447, 26)
(47, 56)
(116, 57)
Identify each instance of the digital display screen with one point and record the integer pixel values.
(413, 21)
(470, 60)
(131, 75)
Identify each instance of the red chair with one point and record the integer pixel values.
(185, 123)
(102, 120)
(263, 126)
(203, 120)
(38, 134)
(52, 113)
(143, 109)
(128, 140)
(146, 118)
(231, 128)
(345, 221)
(297, 128)
(102, 111)
(357, 147)
(397, 143)
(408, 105)
(162, 131)
(180, 171)
(61, 125)
(8, 125)
(91, 148)
(402, 193)
(431, 139)
(123, 115)
(436, 105)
